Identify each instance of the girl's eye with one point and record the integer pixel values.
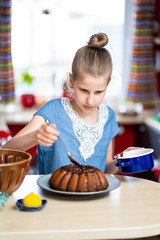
(83, 90)
(99, 92)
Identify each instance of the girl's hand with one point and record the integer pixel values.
(47, 135)
(131, 148)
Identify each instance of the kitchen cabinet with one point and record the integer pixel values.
(18, 120)
(154, 141)
(134, 135)
(15, 128)
(125, 138)
(138, 135)
(150, 139)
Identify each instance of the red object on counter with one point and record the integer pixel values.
(4, 134)
(157, 173)
(27, 100)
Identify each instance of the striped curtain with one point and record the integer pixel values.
(6, 68)
(143, 85)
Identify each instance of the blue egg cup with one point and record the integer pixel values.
(24, 208)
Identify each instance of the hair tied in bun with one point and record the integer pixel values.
(98, 40)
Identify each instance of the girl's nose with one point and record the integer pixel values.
(90, 99)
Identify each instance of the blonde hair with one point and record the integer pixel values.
(93, 58)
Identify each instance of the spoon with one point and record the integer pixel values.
(68, 153)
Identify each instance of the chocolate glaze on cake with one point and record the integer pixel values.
(72, 178)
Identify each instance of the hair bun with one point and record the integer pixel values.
(98, 40)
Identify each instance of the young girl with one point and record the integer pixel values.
(85, 124)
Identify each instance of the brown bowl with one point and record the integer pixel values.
(13, 168)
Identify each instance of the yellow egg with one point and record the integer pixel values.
(32, 200)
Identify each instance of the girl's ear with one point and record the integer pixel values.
(71, 81)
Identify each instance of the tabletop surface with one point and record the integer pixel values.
(130, 211)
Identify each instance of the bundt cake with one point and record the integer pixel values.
(72, 178)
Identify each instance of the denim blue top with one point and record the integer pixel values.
(86, 143)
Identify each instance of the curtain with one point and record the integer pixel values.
(6, 69)
(143, 84)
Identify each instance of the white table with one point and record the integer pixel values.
(129, 211)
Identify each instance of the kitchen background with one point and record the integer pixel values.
(38, 40)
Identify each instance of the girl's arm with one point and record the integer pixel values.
(110, 162)
(35, 132)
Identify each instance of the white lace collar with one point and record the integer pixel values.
(88, 135)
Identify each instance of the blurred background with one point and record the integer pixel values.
(47, 34)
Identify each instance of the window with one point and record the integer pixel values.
(47, 33)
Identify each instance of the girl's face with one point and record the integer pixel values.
(88, 92)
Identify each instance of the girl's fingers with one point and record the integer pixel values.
(49, 129)
(131, 148)
(47, 135)
(46, 139)
(43, 143)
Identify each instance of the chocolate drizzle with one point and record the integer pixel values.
(77, 169)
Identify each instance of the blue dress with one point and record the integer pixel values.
(86, 143)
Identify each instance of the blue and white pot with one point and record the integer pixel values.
(135, 161)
